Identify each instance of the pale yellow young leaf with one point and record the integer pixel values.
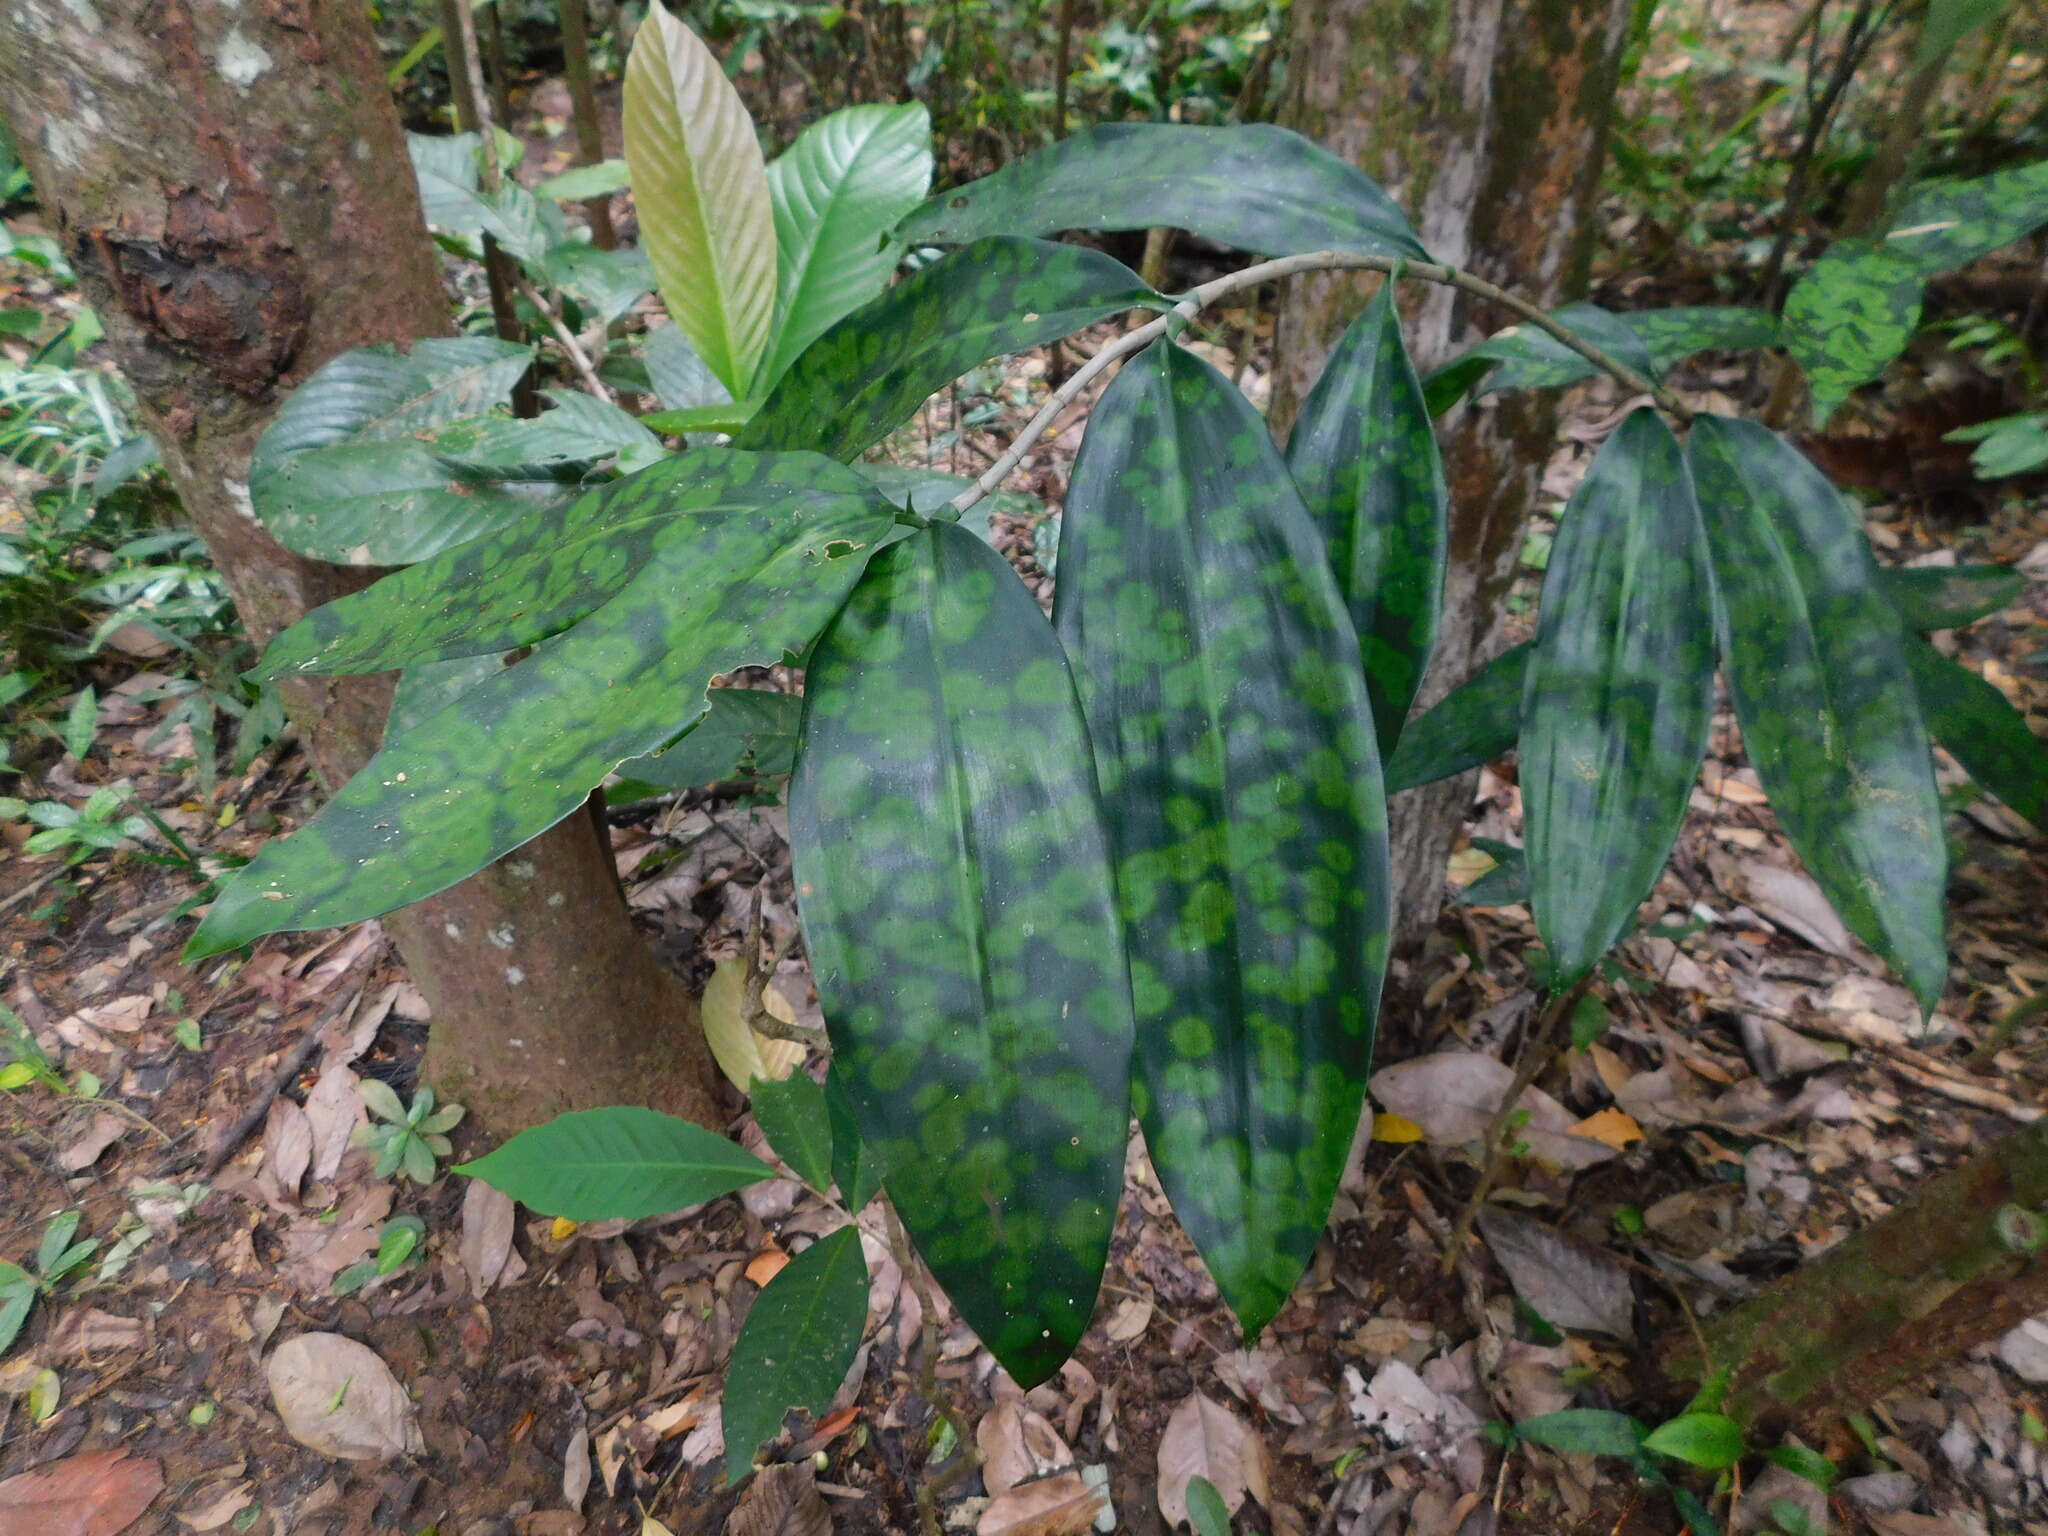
(744, 1054)
(701, 190)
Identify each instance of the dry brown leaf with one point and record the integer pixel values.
(766, 1265)
(1610, 1127)
(1133, 1315)
(1017, 1445)
(287, 1144)
(1786, 898)
(488, 1220)
(85, 1332)
(81, 1154)
(1570, 1283)
(1454, 1095)
(576, 1469)
(781, 1501)
(1065, 1504)
(1205, 1439)
(334, 1108)
(214, 1507)
(100, 1493)
(340, 1398)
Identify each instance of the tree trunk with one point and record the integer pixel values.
(1953, 1267)
(1487, 120)
(230, 183)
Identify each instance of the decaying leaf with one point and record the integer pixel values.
(488, 1219)
(1017, 1445)
(1205, 1439)
(1064, 1504)
(340, 1398)
(576, 1468)
(287, 1144)
(780, 1501)
(743, 1053)
(1571, 1283)
(214, 1507)
(1454, 1095)
(99, 1493)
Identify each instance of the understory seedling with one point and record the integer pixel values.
(58, 1256)
(409, 1140)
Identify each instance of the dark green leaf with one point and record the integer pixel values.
(1364, 457)
(1947, 23)
(1951, 596)
(1948, 224)
(953, 873)
(1699, 1520)
(1207, 1512)
(837, 192)
(1620, 694)
(1234, 740)
(597, 1164)
(1584, 1432)
(127, 461)
(17, 1297)
(793, 1116)
(1474, 723)
(56, 1238)
(1503, 885)
(605, 283)
(868, 374)
(428, 687)
(1811, 1465)
(1256, 187)
(1816, 658)
(1849, 316)
(1524, 356)
(796, 1346)
(854, 1168)
(1982, 731)
(580, 183)
(578, 429)
(2011, 445)
(1709, 1440)
(750, 580)
(1673, 335)
(748, 733)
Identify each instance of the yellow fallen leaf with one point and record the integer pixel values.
(649, 1526)
(562, 1230)
(766, 1265)
(1613, 1070)
(1610, 1127)
(744, 1054)
(1396, 1128)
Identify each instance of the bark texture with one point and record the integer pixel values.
(1932, 1279)
(1487, 120)
(229, 180)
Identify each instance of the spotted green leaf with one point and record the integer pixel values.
(1235, 743)
(1850, 315)
(796, 1346)
(1619, 695)
(747, 733)
(1982, 731)
(953, 873)
(1950, 596)
(868, 374)
(575, 429)
(1472, 724)
(702, 193)
(1364, 457)
(1256, 187)
(1950, 223)
(750, 580)
(854, 1168)
(837, 191)
(341, 473)
(793, 1115)
(1815, 657)
(600, 1164)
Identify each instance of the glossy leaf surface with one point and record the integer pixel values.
(1651, 340)
(1850, 315)
(854, 1168)
(1619, 694)
(1235, 744)
(1257, 187)
(796, 1346)
(1982, 731)
(750, 583)
(1950, 223)
(1474, 723)
(747, 733)
(953, 873)
(702, 193)
(868, 374)
(792, 1114)
(598, 1164)
(837, 192)
(1814, 655)
(1364, 457)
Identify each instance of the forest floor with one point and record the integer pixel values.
(1760, 1088)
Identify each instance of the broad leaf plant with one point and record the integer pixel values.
(1131, 861)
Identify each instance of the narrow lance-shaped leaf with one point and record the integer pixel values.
(748, 584)
(837, 192)
(796, 1346)
(702, 192)
(1234, 739)
(953, 872)
(1818, 665)
(793, 1116)
(1950, 596)
(1620, 694)
(748, 732)
(1474, 723)
(868, 374)
(1256, 187)
(1949, 223)
(598, 1164)
(1982, 731)
(1364, 457)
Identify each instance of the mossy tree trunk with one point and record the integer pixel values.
(230, 182)
(1487, 120)
(1952, 1267)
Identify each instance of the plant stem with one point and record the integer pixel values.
(1538, 1051)
(1208, 293)
(578, 358)
(583, 104)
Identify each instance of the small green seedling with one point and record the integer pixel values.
(57, 1256)
(409, 1141)
(78, 832)
(398, 1245)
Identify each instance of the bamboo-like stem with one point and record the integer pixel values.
(1208, 293)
